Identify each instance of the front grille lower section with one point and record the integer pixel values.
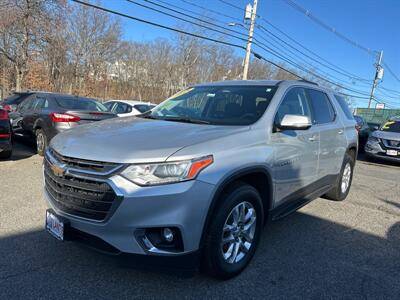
(391, 144)
(86, 198)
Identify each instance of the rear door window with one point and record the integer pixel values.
(322, 109)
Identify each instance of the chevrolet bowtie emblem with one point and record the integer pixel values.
(58, 170)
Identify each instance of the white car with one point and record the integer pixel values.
(125, 108)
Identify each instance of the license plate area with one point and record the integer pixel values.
(392, 152)
(55, 225)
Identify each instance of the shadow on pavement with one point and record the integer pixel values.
(301, 256)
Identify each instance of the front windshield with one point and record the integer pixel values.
(221, 105)
(391, 126)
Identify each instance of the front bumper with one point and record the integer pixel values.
(376, 150)
(181, 205)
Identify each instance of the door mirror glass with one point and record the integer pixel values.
(294, 122)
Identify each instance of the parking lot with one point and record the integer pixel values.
(327, 249)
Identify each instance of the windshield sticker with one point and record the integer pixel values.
(210, 95)
(387, 125)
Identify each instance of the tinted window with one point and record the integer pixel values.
(223, 105)
(109, 105)
(142, 107)
(321, 107)
(345, 107)
(120, 108)
(75, 103)
(294, 103)
(391, 126)
(26, 105)
(16, 98)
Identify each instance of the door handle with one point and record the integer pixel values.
(340, 131)
(313, 138)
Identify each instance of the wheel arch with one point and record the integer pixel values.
(257, 176)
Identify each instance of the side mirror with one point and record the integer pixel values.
(294, 122)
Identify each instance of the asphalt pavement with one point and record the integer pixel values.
(339, 250)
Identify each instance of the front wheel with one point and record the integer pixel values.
(234, 232)
(340, 191)
(41, 141)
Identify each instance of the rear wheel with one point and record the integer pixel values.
(234, 232)
(5, 154)
(340, 191)
(41, 141)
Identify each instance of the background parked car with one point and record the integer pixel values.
(43, 115)
(11, 102)
(385, 142)
(5, 134)
(124, 108)
(363, 132)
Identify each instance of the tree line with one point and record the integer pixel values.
(53, 45)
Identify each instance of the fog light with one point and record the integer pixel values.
(168, 235)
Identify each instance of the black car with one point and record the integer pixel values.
(5, 134)
(11, 102)
(363, 132)
(43, 115)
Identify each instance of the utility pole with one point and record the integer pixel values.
(378, 76)
(250, 39)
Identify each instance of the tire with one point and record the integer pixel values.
(41, 141)
(238, 197)
(341, 189)
(5, 154)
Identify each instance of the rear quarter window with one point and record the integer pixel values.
(345, 107)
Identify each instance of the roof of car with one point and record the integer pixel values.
(50, 93)
(254, 82)
(131, 102)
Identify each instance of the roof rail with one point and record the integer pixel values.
(310, 82)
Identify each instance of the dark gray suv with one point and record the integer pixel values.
(201, 173)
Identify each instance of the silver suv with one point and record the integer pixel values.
(199, 175)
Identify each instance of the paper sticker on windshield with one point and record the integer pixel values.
(178, 94)
(387, 125)
(211, 95)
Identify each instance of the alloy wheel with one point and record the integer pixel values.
(238, 232)
(346, 178)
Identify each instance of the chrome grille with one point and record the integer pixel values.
(82, 196)
(85, 166)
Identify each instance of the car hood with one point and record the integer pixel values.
(135, 140)
(394, 136)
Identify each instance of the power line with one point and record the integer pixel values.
(390, 71)
(261, 45)
(210, 10)
(327, 27)
(201, 37)
(192, 12)
(350, 75)
(158, 25)
(187, 15)
(188, 21)
(305, 54)
(338, 69)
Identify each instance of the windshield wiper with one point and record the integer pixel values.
(184, 120)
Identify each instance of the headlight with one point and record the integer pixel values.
(169, 172)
